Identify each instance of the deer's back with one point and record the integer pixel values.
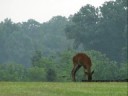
(82, 58)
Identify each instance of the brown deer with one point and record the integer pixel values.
(79, 60)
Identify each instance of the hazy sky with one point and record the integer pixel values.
(41, 10)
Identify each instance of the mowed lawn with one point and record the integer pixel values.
(63, 89)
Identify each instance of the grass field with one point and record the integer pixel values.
(63, 89)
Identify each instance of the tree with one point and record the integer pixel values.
(6, 29)
(100, 29)
(64, 65)
(36, 59)
(51, 75)
(54, 39)
(112, 25)
(82, 27)
(36, 74)
(12, 72)
(104, 68)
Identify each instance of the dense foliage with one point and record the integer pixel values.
(33, 51)
(103, 29)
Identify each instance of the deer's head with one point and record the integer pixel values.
(89, 74)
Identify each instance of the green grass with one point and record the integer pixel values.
(63, 89)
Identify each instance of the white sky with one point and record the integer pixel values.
(41, 10)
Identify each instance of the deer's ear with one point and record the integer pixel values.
(92, 72)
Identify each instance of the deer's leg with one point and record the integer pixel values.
(73, 73)
(74, 70)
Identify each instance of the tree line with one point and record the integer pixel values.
(33, 51)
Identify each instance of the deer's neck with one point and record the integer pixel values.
(88, 69)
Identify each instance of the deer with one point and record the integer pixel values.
(82, 60)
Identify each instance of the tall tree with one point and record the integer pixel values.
(112, 25)
(100, 28)
(83, 26)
